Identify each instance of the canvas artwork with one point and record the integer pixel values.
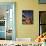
(27, 17)
(42, 22)
(42, 15)
(7, 23)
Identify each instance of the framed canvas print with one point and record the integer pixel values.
(42, 1)
(7, 20)
(42, 22)
(27, 17)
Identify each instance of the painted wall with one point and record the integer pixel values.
(26, 31)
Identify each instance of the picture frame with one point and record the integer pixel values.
(42, 22)
(7, 23)
(42, 1)
(42, 15)
(27, 17)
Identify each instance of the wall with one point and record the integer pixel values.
(28, 31)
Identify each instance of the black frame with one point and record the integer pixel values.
(28, 12)
(41, 2)
(2, 23)
(39, 21)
